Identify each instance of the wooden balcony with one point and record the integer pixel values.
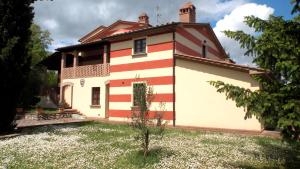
(98, 70)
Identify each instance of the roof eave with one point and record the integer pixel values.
(80, 46)
(242, 68)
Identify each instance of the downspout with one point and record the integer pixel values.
(174, 64)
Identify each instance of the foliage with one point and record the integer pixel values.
(296, 6)
(39, 42)
(141, 117)
(38, 76)
(51, 78)
(16, 17)
(275, 48)
(29, 94)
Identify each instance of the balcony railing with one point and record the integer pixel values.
(98, 70)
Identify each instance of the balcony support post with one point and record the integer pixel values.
(75, 62)
(105, 58)
(105, 54)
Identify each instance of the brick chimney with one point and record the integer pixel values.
(187, 13)
(143, 18)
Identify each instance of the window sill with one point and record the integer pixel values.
(139, 54)
(95, 106)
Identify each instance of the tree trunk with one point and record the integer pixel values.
(146, 143)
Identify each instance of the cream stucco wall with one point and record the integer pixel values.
(199, 104)
(82, 95)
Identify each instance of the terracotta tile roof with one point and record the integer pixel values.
(99, 28)
(101, 32)
(143, 29)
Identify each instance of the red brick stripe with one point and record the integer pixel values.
(120, 53)
(186, 50)
(204, 33)
(160, 47)
(127, 98)
(197, 41)
(213, 51)
(189, 36)
(167, 115)
(120, 98)
(163, 80)
(142, 65)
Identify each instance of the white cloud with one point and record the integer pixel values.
(68, 20)
(61, 43)
(233, 22)
(50, 24)
(215, 9)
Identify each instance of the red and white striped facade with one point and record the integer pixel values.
(156, 67)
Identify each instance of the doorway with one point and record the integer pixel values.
(107, 100)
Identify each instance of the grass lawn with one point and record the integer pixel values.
(98, 145)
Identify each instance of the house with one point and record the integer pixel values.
(97, 76)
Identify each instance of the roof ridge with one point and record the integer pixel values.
(90, 33)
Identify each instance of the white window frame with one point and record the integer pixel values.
(133, 46)
(92, 96)
(132, 94)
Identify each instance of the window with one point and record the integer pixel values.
(139, 94)
(95, 95)
(140, 46)
(204, 51)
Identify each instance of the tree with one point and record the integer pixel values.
(38, 75)
(142, 120)
(275, 48)
(296, 7)
(16, 17)
(39, 42)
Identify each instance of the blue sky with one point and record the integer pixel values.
(68, 20)
(282, 8)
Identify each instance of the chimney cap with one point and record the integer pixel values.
(143, 18)
(188, 5)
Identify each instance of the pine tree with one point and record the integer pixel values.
(16, 18)
(275, 48)
(143, 122)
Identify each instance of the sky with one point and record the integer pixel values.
(68, 20)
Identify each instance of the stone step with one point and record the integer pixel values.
(73, 111)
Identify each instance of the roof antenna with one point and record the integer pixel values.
(158, 15)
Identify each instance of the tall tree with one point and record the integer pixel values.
(16, 18)
(38, 76)
(275, 48)
(38, 45)
(296, 7)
